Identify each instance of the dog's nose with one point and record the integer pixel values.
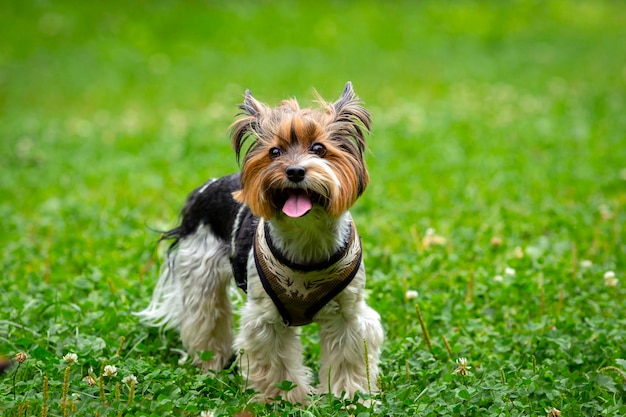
(295, 173)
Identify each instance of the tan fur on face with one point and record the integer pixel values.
(340, 175)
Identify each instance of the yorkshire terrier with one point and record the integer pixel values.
(281, 228)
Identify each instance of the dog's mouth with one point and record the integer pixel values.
(297, 202)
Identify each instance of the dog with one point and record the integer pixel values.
(282, 229)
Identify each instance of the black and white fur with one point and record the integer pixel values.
(213, 244)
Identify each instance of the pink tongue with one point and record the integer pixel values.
(297, 205)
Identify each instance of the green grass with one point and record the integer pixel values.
(499, 125)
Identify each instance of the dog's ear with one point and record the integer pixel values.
(252, 106)
(348, 95)
(350, 117)
(247, 125)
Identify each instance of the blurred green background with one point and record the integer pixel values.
(476, 105)
(493, 121)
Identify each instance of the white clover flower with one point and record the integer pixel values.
(411, 294)
(21, 357)
(110, 371)
(462, 361)
(509, 271)
(463, 367)
(605, 212)
(553, 412)
(498, 278)
(130, 379)
(89, 380)
(207, 414)
(431, 238)
(518, 252)
(586, 263)
(609, 279)
(70, 358)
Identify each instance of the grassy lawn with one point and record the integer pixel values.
(495, 218)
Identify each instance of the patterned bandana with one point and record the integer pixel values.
(300, 291)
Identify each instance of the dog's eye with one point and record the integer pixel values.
(318, 149)
(275, 153)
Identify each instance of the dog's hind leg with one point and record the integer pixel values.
(206, 317)
(192, 296)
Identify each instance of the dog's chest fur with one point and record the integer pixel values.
(298, 291)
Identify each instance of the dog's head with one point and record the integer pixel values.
(296, 159)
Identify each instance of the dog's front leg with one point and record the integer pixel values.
(270, 352)
(348, 326)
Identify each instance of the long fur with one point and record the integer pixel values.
(213, 244)
(340, 126)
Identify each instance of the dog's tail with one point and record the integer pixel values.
(197, 263)
(166, 299)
